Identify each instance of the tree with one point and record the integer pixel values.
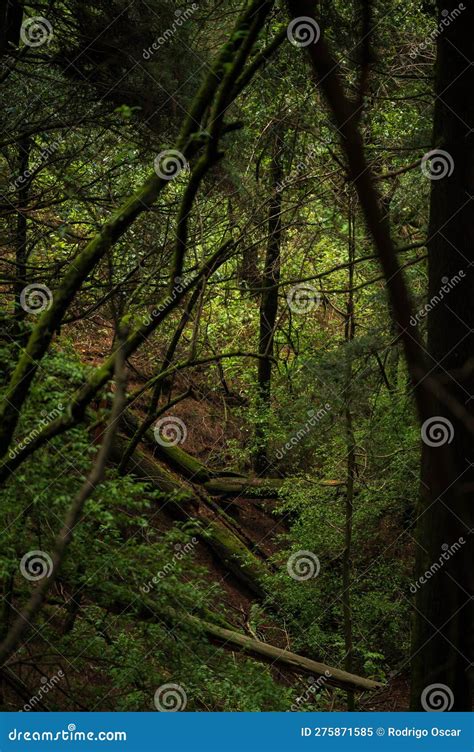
(443, 637)
(269, 294)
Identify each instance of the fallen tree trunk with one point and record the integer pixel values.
(148, 467)
(148, 610)
(184, 504)
(178, 496)
(285, 658)
(173, 456)
(247, 488)
(225, 483)
(255, 488)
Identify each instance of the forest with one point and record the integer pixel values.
(237, 347)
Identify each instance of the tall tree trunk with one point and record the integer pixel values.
(11, 15)
(442, 650)
(349, 332)
(24, 148)
(269, 301)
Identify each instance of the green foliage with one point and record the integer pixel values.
(118, 553)
(101, 121)
(382, 548)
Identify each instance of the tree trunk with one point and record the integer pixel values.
(21, 279)
(173, 456)
(349, 331)
(442, 650)
(184, 504)
(269, 303)
(11, 15)
(147, 609)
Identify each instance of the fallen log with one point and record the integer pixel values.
(297, 663)
(255, 488)
(147, 609)
(247, 488)
(146, 469)
(217, 483)
(182, 503)
(173, 456)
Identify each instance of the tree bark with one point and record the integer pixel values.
(184, 504)
(349, 333)
(149, 610)
(269, 302)
(443, 631)
(173, 456)
(21, 278)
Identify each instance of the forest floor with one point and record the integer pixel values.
(209, 423)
